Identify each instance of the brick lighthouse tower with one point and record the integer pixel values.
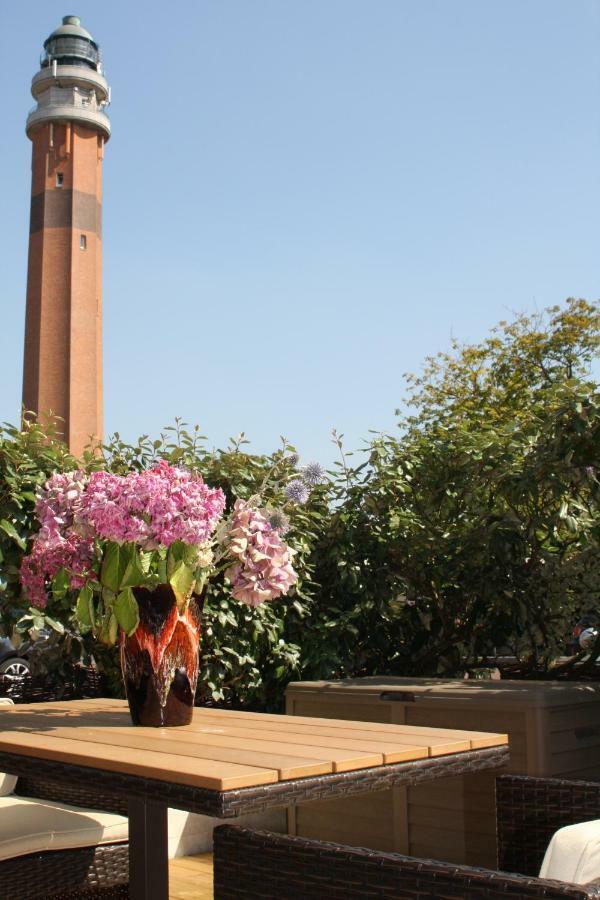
(68, 127)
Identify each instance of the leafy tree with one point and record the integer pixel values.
(477, 529)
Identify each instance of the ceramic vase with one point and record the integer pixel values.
(159, 661)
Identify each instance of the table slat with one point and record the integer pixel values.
(183, 741)
(211, 774)
(338, 737)
(342, 752)
(290, 765)
(477, 739)
(405, 748)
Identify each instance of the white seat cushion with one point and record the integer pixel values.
(32, 826)
(7, 784)
(573, 854)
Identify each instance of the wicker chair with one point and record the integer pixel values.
(256, 865)
(82, 873)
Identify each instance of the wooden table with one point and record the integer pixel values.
(225, 763)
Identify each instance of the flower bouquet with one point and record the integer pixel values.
(141, 550)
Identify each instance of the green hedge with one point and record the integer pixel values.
(474, 529)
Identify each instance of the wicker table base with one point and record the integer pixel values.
(232, 803)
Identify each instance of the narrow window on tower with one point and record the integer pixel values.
(59, 179)
(82, 242)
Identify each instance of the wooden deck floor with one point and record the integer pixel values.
(190, 878)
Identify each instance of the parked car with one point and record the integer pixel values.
(13, 661)
(584, 633)
(16, 661)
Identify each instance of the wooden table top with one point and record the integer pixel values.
(220, 750)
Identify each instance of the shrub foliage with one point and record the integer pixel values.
(472, 531)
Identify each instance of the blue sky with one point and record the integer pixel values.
(305, 198)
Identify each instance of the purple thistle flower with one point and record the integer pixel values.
(279, 521)
(312, 473)
(293, 459)
(297, 491)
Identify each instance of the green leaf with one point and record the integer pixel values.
(190, 555)
(182, 580)
(110, 629)
(127, 611)
(57, 626)
(115, 562)
(201, 576)
(113, 628)
(12, 532)
(60, 584)
(175, 555)
(134, 574)
(83, 609)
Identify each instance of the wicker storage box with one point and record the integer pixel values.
(554, 730)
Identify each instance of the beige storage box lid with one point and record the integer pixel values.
(506, 693)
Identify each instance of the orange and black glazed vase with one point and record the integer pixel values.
(160, 660)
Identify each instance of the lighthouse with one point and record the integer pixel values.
(68, 128)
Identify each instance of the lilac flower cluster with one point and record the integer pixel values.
(263, 562)
(152, 508)
(61, 543)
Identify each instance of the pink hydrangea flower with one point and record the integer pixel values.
(46, 560)
(263, 562)
(152, 508)
(60, 542)
(59, 503)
